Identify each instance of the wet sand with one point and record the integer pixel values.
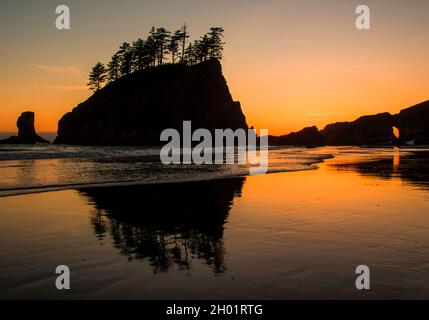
(278, 236)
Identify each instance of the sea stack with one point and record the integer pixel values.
(136, 108)
(26, 131)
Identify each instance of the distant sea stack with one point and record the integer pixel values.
(412, 124)
(135, 109)
(26, 131)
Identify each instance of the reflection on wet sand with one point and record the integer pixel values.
(411, 168)
(293, 235)
(169, 224)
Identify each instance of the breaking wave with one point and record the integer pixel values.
(29, 169)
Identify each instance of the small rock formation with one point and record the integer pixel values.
(135, 109)
(306, 137)
(26, 131)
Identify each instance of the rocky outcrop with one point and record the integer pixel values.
(26, 131)
(135, 109)
(310, 136)
(412, 124)
(369, 130)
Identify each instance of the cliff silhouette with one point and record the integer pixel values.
(136, 108)
(412, 124)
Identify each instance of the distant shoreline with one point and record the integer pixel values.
(48, 135)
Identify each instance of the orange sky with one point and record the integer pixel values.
(291, 63)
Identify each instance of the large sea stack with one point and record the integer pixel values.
(135, 109)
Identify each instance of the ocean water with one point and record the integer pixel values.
(28, 169)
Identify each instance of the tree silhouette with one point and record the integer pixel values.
(190, 56)
(151, 48)
(215, 42)
(203, 48)
(162, 37)
(139, 54)
(97, 77)
(114, 68)
(182, 35)
(126, 58)
(173, 47)
(143, 54)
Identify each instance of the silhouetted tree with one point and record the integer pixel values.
(215, 42)
(190, 56)
(126, 57)
(147, 53)
(162, 37)
(173, 47)
(97, 77)
(182, 35)
(139, 55)
(151, 46)
(203, 48)
(114, 68)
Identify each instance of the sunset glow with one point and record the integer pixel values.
(290, 64)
